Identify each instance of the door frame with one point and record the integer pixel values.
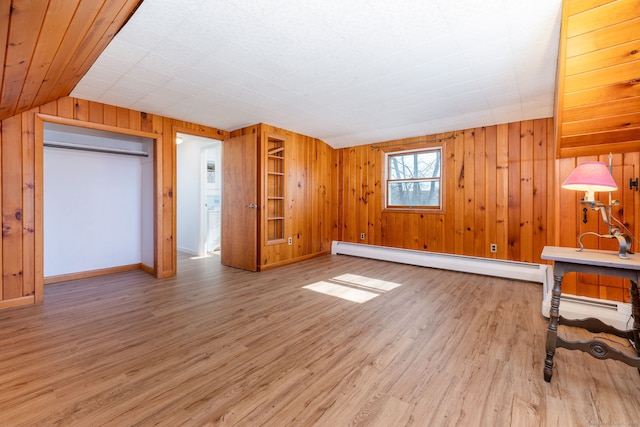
(40, 120)
(209, 133)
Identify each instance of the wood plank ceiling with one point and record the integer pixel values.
(599, 78)
(47, 46)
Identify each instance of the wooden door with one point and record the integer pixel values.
(239, 246)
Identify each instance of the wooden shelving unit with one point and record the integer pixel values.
(275, 190)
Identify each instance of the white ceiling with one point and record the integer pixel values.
(349, 72)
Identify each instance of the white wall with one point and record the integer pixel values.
(92, 211)
(190, 233)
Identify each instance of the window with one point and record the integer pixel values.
(414, 179)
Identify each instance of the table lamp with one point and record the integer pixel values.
(592, 177)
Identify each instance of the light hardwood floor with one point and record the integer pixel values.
(222, 346)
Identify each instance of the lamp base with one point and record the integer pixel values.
(624, 242)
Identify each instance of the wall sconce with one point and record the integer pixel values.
(592, 177)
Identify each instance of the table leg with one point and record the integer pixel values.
(635, 313)
(552, 329)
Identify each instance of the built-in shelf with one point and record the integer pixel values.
(275, 189)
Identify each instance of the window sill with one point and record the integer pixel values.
(438, 211)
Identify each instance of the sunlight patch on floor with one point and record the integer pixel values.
(352, 287)
(201, 256)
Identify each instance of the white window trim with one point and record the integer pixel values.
(439, 208)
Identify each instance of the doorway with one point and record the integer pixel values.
(199, 194)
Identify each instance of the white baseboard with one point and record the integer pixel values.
(572, 307)
(189, 251)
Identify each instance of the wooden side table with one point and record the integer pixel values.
(606, 263)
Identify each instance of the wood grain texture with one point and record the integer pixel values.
(496, 190)
(222, 346)
(607, 14)
(48, 46)
(12, 209)
(308, 190)
(597, 84)
(239, 222)
(625, 167)
(21, 185)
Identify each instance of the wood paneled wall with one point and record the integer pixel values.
(571, 221)
(21, 186)
(308, 197)
(499, 186)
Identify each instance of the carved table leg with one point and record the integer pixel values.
(635, 313)
(552, 329)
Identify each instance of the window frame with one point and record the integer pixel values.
(440, 179)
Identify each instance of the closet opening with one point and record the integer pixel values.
(98, 202)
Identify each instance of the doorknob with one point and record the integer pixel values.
(252, 206)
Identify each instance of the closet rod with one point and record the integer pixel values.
(96, 149)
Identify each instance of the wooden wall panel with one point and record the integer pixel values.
(491, 173)
(28, 203)
(509, 196)
(166, 255)
(498, 188)
(526, 191)
(468, 218)
(309, 188)
(514, 239)
(21, 186)
(598, 83)
(481, 246)
(12, 242)
(625, 166)
(502, 193)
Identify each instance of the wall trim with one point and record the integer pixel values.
(273, 265)
(91, 273)
(17, 302)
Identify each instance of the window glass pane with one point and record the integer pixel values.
(425, 164)
(414, 193)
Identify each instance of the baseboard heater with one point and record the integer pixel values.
(466, 264)
(616, 314)
(573, 307)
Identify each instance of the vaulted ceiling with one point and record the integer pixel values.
(346, 71)
(48, 46)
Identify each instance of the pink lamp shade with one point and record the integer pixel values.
(590, 177)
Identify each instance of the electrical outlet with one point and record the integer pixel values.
(290, 241)
(493, 248)
(362, 236)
